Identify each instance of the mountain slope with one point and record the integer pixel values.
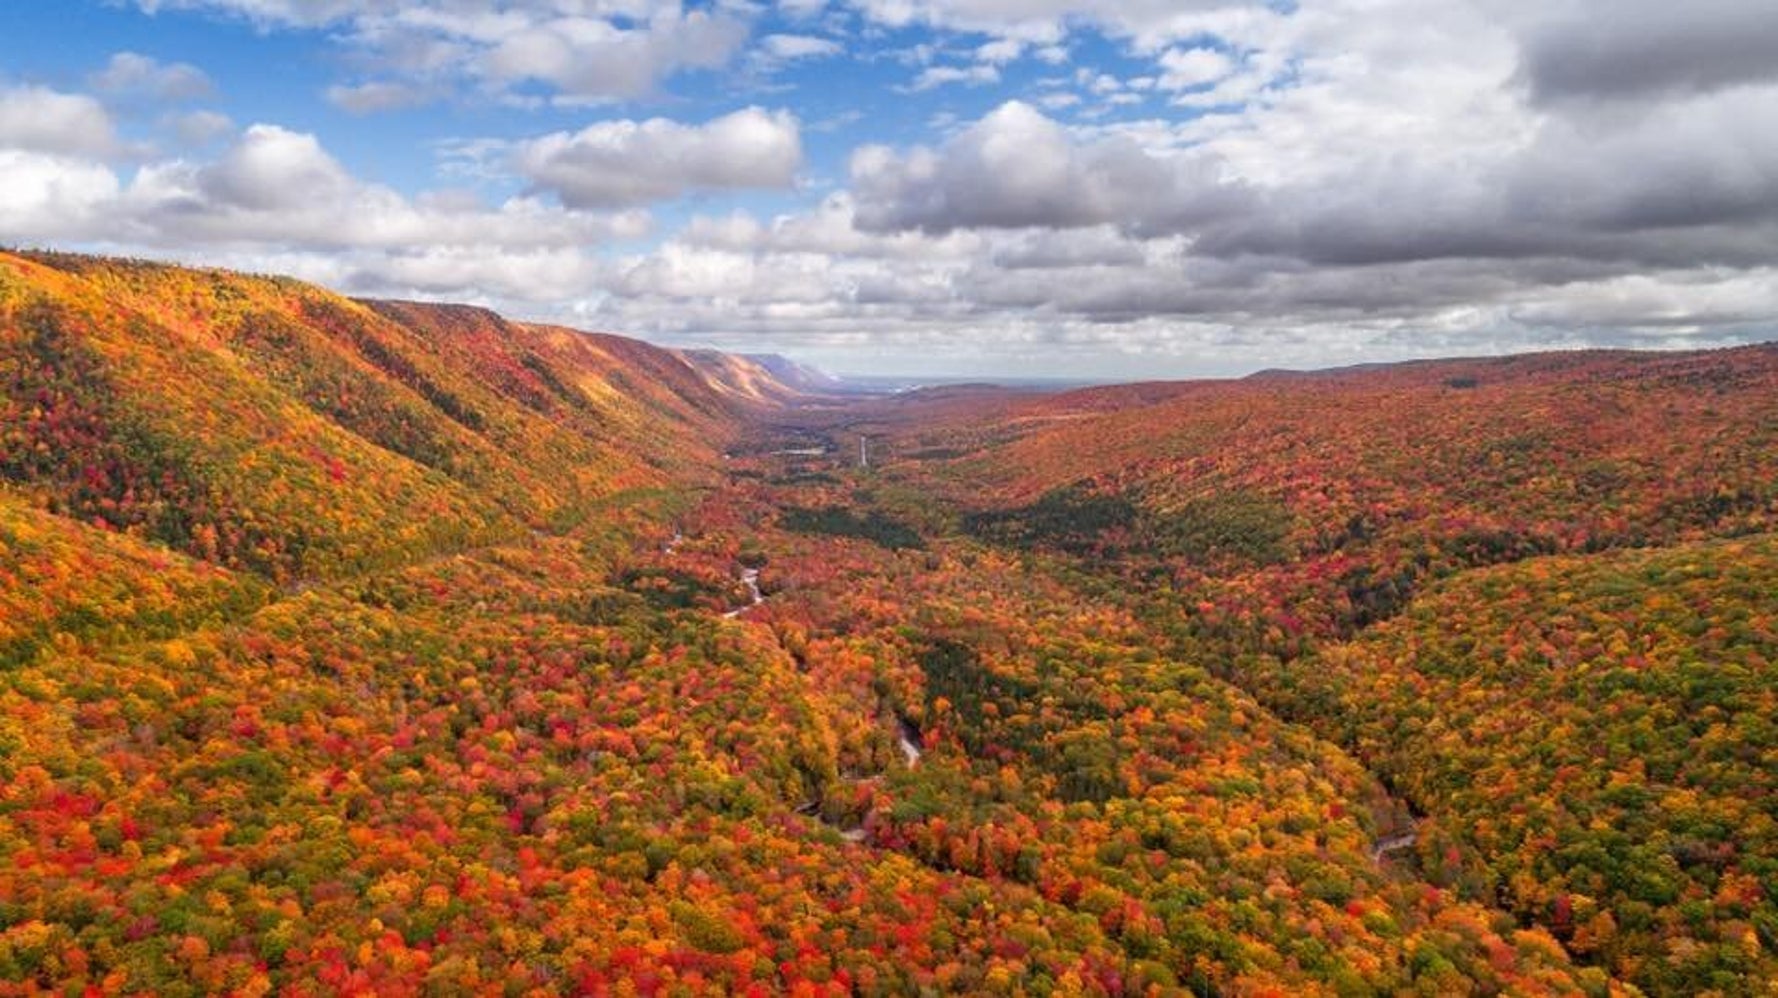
(752, 379)
(1533, 594)
(270, 425)
(1595, 737)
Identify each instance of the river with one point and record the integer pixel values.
(750, 579)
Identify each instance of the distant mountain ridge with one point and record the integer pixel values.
(761, 377)
(794, 374)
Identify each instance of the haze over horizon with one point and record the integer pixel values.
(1121, 190)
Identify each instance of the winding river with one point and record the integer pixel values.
(1394, 843)
(910, 740)
(750, 579)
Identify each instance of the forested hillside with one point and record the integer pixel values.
(382, 647)
(1596, 739)
(270, 426)
(1535, 596)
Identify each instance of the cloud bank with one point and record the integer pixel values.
(1238, 184)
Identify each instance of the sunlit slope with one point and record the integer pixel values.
(1597, 734)
(65, 585)
(745, 378)
(603, 410)
(267, 424)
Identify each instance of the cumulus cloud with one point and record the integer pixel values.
(1410, 188)
(622, 162)
(50, 197)
(276, 199)
(1182, 69)
(1660, 302)
(43, 120)
(596, 58)
(1016, 168)
(1319, 175)
(1045, 249)
(279, 187)
(1306, 183)
(829, 229)
(1702, 161)
(273, 168)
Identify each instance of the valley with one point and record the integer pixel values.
(382, 647)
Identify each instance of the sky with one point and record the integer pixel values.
(1085, 189)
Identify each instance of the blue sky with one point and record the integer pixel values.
(1127, 188)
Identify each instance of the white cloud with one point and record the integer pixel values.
(1402, 192)
(931, 77)
(297, 13)
(48, 197)
(196, 128)
(1147, 23)
(585, 50)
(617, 163)
(374, 97)
(516, 277)
(788, 47)
(44, 120)
(1000, 51)
(687, 273)
(132, 75)
(1332, 180)
(277, 187)
(1183, 69)
(831, 228)
(275, 199)
(1017, 169)
(1102, 84)
(1661, 303)
(596, 58)
(272, 168)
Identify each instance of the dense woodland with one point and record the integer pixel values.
(373, 647)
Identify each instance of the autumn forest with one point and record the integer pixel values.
(371, 647)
